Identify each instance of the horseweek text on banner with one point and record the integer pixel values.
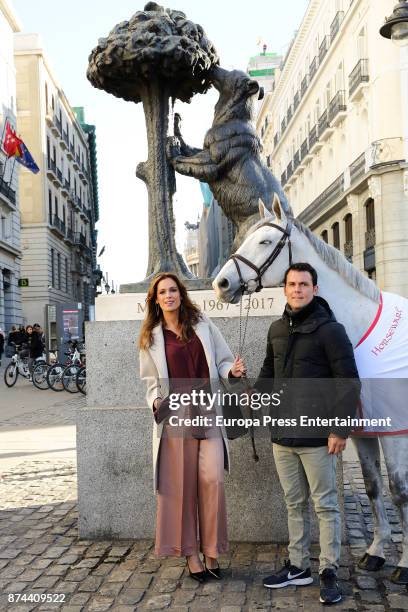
(290, 408)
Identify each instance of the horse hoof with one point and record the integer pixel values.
(400, 575)
(371, 563)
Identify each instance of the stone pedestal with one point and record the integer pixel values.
(114, 439)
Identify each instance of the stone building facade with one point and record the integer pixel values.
(10, 253)
(335, 133)
(59, 204)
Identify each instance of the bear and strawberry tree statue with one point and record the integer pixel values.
(157, 55)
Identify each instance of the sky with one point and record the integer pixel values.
(71, 30)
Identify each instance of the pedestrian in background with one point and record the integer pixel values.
(2, 339)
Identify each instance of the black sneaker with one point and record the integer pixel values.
(329, 588)
(289, 574)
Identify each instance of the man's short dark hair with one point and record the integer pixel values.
(302, 267)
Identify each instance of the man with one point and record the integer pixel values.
(307, 342)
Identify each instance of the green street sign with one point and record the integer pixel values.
(23, 282)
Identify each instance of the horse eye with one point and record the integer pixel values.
(265, 242)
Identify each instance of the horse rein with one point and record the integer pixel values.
(244, 287)
(270, 259)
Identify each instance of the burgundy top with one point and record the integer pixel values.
(185, 359)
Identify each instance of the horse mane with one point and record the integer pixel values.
(335, 260)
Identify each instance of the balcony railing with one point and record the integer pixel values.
(313, 136)
(289, 170)
(69, 235)
(289, 113)
(337, 105)
(303, 86)
(296, 100)
(7, 191)
(283, 125)
(357, 168)
(323, 122)
(58, 224)
(304, 149)
(358, 75)
(283, 178)
(348, 249)
(370, 238)
(335, 24)
(324, 46)
(330, 193)
(296, 160)
(313, 68)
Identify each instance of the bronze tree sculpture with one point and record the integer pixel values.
(157, 55)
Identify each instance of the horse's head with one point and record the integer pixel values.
(263, 257)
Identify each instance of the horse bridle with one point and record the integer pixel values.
(260, 271)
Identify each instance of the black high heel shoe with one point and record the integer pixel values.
(213, 572)
(199, 576)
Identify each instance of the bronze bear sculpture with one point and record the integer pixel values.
(230, 161)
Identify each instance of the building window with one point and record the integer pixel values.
(336, 235)
(50, 206)
(56, 206)
(348, 227)
(46, 98)
(59, 270)
(324, 236)
(52, 269)
(66, 275)
(370, 219)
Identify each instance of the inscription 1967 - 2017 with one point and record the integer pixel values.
(269, 302)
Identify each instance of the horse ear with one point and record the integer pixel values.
(277, 208)
(263, 211)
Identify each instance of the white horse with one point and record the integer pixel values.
(356, 302)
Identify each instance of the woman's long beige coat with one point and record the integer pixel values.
(153, 370)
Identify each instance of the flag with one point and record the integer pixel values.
(24, 157)
(102, 251)
(11, 141)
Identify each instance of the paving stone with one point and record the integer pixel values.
(103, 570)
(398, 600)
(233, 598)
(110, 589)
(77, 575)
(91, 584)
(30, 575)
(140, 581)
(173, 573)
(131, 596)
(366, 582)
(230, 609)
(79, 599)
(45, 581)
(40, 563)
(99, 603)
(184, 597)
(65, 587)
(56, 570)
(236, 585)
(158, 602)
(119, 575)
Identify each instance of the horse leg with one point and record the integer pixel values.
(395, 449)
(368, 450)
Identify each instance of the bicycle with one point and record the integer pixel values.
(55, 372)
(70, 374)
(81, 380)
(19, 366)
(40, 372)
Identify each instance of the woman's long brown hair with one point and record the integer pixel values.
(189, 314)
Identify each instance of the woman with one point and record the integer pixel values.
(178, 342)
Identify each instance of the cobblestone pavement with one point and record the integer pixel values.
(40, 554)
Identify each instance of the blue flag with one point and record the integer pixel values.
(24, 157)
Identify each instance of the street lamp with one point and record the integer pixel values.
(396, 25)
